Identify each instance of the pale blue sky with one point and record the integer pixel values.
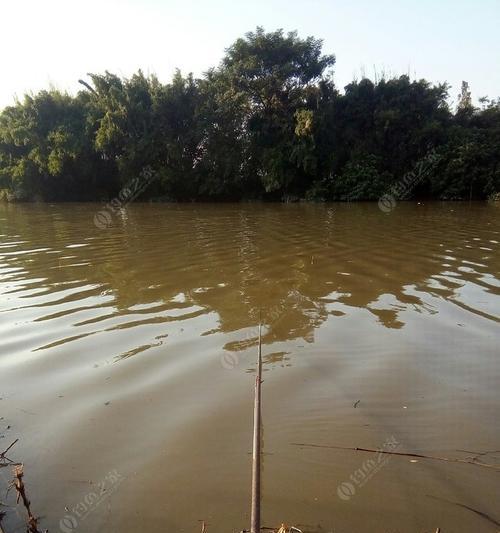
(58, 41)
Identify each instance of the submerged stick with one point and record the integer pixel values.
(404, 454)
(255, 511)
(3, 454)
(5, 461)
(32, 522)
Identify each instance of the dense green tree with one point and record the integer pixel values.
(225, 166)
(46, 150)
(470, 166)
(279, 75)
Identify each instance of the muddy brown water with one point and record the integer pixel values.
(127, 357)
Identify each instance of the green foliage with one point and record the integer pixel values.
(267, 123)
(46, 151)
(361, 179)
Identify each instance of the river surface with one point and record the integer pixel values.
(127, 362)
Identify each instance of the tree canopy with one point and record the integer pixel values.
(267, 123)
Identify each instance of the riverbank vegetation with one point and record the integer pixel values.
(267, 123)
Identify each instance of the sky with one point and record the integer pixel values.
(56, 42)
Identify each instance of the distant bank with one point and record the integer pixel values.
(267, 123)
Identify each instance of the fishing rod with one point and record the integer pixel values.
(255, 511)
(255, 524)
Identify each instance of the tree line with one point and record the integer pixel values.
(267, 123)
